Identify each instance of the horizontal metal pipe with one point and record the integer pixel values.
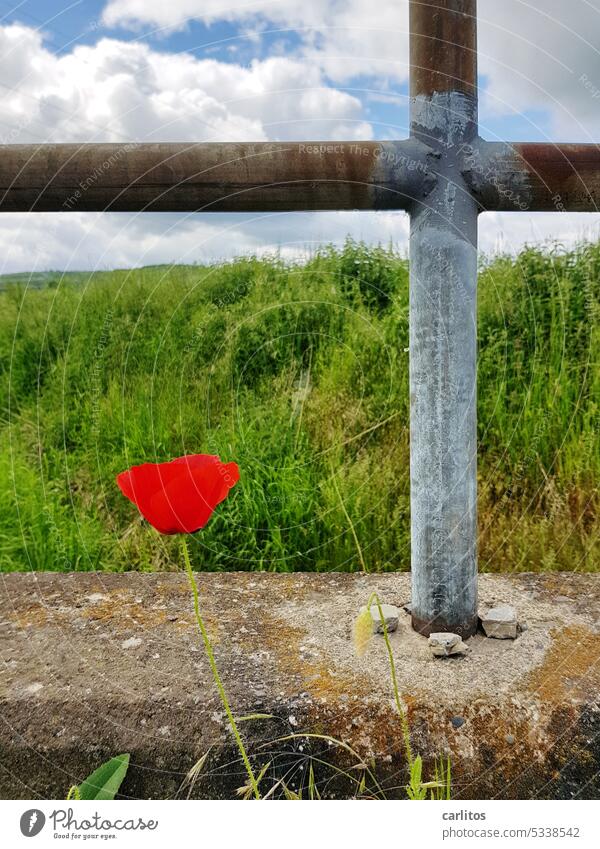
(534, 177)
(220, 177)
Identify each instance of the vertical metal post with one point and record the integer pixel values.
(443, 321)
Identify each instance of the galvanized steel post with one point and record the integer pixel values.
(443, 321)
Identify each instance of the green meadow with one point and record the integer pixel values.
(299, 372)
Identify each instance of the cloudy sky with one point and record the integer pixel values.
(216, 70)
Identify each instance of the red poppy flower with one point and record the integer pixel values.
(179, 497)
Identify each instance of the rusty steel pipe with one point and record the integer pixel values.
(266, 176)
(443, 322)
(218, 177)
(443, 46)
(534, 177)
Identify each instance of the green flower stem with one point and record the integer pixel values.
(399, 705)
(375, 598)
(215, 671)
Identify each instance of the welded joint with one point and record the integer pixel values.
(444, 119)
(411, 166)
(496, 176)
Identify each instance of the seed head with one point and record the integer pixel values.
(363, 631)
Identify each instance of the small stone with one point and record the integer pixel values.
(460, 649)
(510, 739)
(391, 616)
(500, 622)
(131, 643)
(94, 598)
(446, 644)
(446, 638)
(457, 721)
(522, 626)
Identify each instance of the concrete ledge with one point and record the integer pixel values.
(98, 664)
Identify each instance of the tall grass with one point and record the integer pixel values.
(299, 372)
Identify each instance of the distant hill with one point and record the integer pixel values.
(39, 279)
(52, 279)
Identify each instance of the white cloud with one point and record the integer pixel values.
(533, 53)
(178, 13)
(344, 38)
(116, 90)
(543, 55)
(75, 241)
(508, 232)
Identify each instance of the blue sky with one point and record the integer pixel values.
(80, 22)
(108, 70)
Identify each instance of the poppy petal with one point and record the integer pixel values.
(125, 485)
(194, 461)
(185, 503)
(233, 474)
(179, 496)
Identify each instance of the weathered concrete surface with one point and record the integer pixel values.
(98, 664)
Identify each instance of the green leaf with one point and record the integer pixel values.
(104, 782)
(261, 774)
(415, 789)
(416, 771)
